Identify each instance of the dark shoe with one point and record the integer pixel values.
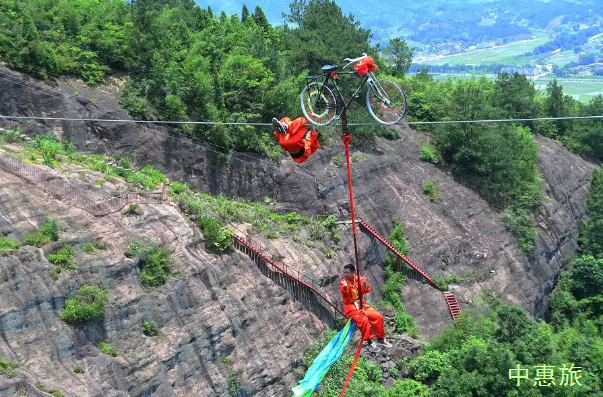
(383, 342)
(372, 346)
(280, 128)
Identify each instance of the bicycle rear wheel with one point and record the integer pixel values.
(318, 103)
(385, 101)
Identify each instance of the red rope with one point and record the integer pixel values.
(346, 143)
(356, 356)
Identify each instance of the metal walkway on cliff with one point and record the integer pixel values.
(311, 294)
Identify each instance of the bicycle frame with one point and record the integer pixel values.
(329, 76)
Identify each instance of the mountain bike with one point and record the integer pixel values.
(385, 100)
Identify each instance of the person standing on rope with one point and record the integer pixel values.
(296, 137)
(365, 317)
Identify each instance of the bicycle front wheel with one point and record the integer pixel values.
(318, 103)
(385, 101)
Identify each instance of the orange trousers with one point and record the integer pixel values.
(370, 319)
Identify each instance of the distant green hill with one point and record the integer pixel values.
(439, 21)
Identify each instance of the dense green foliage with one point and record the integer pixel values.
(47, 233)
(475, 357)
(394, 280)
(8, 246)
(149, 328)
(217, 236)
(88, 304)
(429, 153)
(7, 368)
(186, 63)
(155, 262)
(107, 349)
(591, 239)
(499, 159)
(62, 259)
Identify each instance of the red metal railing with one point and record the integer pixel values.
(389, 245)
(294, 274)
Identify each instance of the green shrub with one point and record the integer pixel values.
(88, 304)
(404, 322)
(107, 349)
(140, 249)
(330, 222)
(62, 259)
(7, 368)
(78, 369)
(133, 209)
(430, 153)
(149, 328)
(356, 157)
(441, 281)
(178, 187)
(154, 175)
(337, 161)
(53, 391)
(124, 162)
(293, 218)
(156, 268)
(154, 261)
(519, 222)
(138, 178)
(393, 288)
(394, 372)
(317, 230)
(88, 247)
(12, 135)
(48, 232)
(429, 189)
(399, 241)
(100, 245)
(328, 253)
(8, 246)
(429, 365)
(217, 236)
(48, 146)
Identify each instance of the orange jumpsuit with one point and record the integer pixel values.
(294, 140)
(371, 317)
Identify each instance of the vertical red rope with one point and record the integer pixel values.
(346, 143)
(345, 385)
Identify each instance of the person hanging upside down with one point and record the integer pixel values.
(296, 137)
(365, 318)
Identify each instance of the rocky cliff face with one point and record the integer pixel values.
(460, 234)
(220, 321)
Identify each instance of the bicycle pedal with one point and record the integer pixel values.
(336, 117)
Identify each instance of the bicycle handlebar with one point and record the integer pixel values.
(351, 61)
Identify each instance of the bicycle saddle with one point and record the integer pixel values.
(328, 68)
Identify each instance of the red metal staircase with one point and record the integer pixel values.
(389, 245)
(453, 305)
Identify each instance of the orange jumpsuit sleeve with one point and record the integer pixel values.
(366, 288)
(346, 292)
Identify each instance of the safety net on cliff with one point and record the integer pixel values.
(323, 362)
